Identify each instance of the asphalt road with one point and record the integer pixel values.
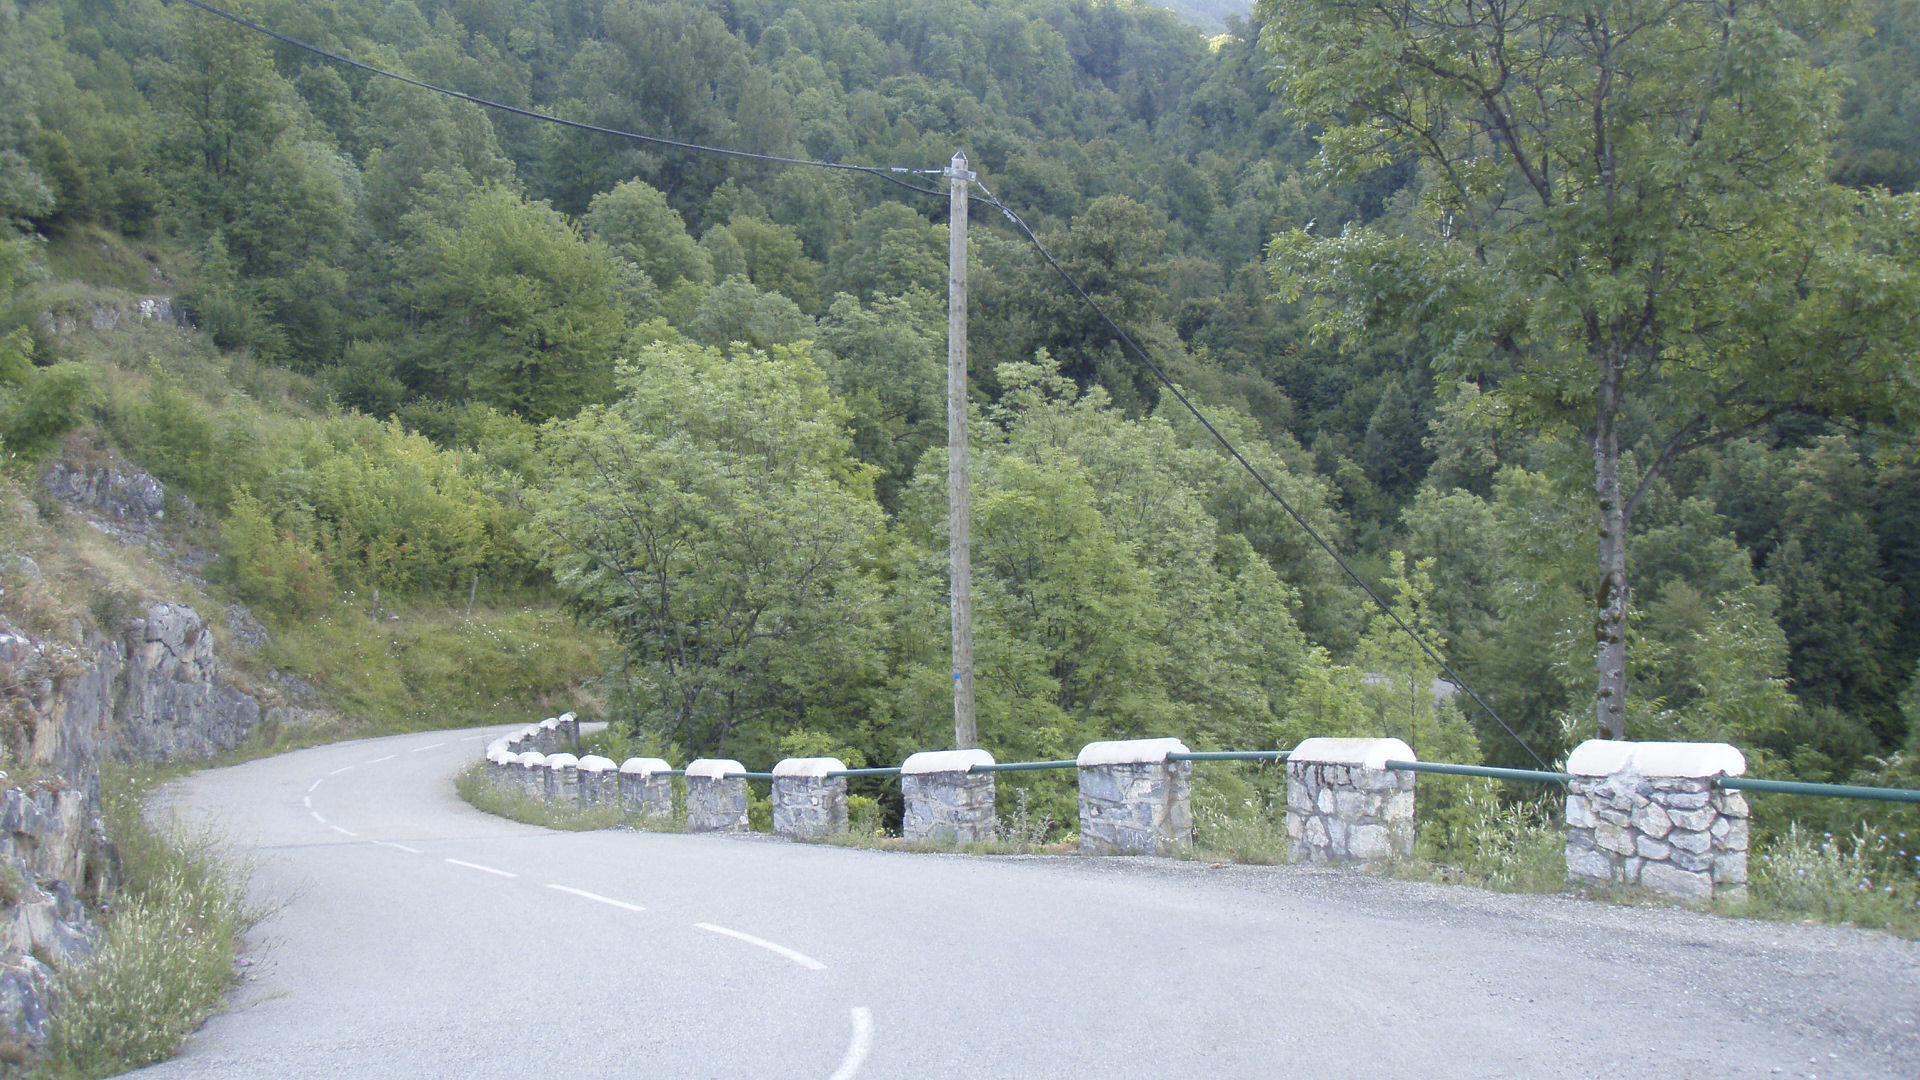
(418, 938)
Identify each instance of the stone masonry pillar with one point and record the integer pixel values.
(1345, 806)
(599, 780)
(533, 774)
(546, 735)
(563, 778)
(646, 791)
(1648, 814)
(808, 803)
(1133, 799)
(716, 796)
(944, 803)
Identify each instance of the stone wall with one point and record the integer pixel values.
(1345, 806)
(1648, 814)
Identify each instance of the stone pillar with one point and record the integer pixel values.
(1647, 814)
(563, 778)
(599, 780)
(646, 791)
(501, 765)
(808, 803)
(546, 735)
(1345, 806)
(716, 796)
(1134, 800)
(946, 804)
(533, 774)
(567, 727)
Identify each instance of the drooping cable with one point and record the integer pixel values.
(891, 174)
(1140, 354)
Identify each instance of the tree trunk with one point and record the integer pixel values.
(1613, 595)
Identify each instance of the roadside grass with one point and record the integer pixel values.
(166, 956)
(1866, 878)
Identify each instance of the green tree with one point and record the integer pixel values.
(516, 309)
(1623, 224)
(714, 519)
(636, 223)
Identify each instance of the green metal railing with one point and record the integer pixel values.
(1834, 791)
(1480, 770)
(1731, 783)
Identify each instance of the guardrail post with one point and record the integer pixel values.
(646, 791)
(546, 735)
(716, 796)
(599, 780)
(944, 803)
(1345, 806)
(1132, 799)
(563, 778)
(567, 727)
(807, 803)
(1648, 814)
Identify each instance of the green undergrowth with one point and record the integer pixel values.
(167, 953)
(1866, 878)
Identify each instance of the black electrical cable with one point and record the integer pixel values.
(1140, 354)
(886, 173)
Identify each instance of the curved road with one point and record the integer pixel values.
(417, 938)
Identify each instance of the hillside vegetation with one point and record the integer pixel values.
(693, 406)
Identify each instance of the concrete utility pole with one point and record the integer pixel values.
(966, 733)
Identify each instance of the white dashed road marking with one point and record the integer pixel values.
(597, 898)
(340, 770)
(857, 1049)
(378, 760)
(802, 959)
(343, 832)
(422, 749)
(402, 847)
(317, 817)
(482, 869)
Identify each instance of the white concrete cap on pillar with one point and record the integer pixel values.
(1365, 753)
(562, 761)
(500, 755)
(498, 744)
(714, 768)
(644, 767)
(549, 723)
(1128, 752)
(936, 761)
(1604, 757)
(532, 758)
(596, 763)
(529, 731)
(564, 718)
(809, 766)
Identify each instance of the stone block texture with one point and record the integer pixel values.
(1677, 835)
(947, 807)
(809, 807)
(717, 804)
(645, 795)
(1140, 807)
(1349, 813)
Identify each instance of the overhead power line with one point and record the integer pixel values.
(1140, 354)
(892, 174)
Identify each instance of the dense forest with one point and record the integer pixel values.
(701, 399)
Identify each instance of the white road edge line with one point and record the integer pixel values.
(482, 869)
(343, 832)
(391, 844)
(315, 786)
(596, 897)
(340, 770)
(317, 817)
(857, 1049)
(378, 760)
(800, 958)
(421, 749)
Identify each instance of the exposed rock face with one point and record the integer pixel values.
(148, 689)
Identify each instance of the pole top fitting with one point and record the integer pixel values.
(958, 169)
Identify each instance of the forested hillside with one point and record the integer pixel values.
(700, 399)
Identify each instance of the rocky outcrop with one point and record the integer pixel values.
(103, 315)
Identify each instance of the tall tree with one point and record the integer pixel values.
(1623, 225)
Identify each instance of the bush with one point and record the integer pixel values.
(1865, 878)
